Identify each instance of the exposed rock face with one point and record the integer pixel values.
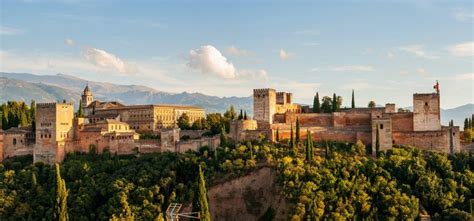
(248, 197)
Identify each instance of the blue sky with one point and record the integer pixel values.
(384, 50)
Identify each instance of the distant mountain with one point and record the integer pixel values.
(457, 114)
(24, 86)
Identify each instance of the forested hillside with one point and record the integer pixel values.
(338, 181)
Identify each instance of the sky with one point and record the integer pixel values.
(383, 50)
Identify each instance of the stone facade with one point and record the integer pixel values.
(142, 118)
(421, 128)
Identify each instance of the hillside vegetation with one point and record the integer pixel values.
(339, 182)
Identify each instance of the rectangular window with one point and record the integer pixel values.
(381, 126)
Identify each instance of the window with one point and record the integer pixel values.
(14, 141)
(426, 103)
(381, 126)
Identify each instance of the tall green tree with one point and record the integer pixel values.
(292, 139)
(377, 141)
(353, 104)
(316, 104)
(5, 124)
(241, 115)
(80, 113)
(223, 137)
(466, 124)
(245, 115)
(203, 205)
(326, 106)
(371, 104)
(277, 136)
(61, 197)
(23, 119)
(230, 113)
(33, 114)
(334, 102)
(309, 147)
(297, 135)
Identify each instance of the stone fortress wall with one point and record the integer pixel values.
(421, 128)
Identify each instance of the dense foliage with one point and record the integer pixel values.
(324, 180)
(103, 187)
(348, 184)
(17, 113)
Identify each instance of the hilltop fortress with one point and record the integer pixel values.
(108, 126)
(274, 111)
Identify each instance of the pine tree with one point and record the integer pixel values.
(277, 137)
(297, 135)
(353, 104)
(377, 142)
(316, 104)
(61, 197)
(203, 205)
(334, 103)
(79, 111)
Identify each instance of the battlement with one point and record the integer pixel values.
(425, 95)
(263, 91)
(52, 105)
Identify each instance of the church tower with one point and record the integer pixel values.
(87, 98)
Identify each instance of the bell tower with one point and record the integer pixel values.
(86, 98)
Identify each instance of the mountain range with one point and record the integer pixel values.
(49, 88)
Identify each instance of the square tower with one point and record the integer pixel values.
(54, 127)
(264, 104)
(426, 112)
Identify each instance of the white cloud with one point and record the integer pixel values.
(462, 15)
(6, 30)
(466, 76)
(310, 44)
(353, 68)
(232, 50)
(417, 50)
(104, 59)
(284, 55)
(390, 55)
(465, 49)
(250, 74)
(209, 60)
(70, 42)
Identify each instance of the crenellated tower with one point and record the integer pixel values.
(264, 104)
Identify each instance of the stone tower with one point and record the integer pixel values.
(54, 127)
(86, 98)
(264, 104)
(426, 112)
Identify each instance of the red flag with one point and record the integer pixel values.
(436, 87)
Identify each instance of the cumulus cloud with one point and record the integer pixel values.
(6, 30)
(232, 50)
(465, 49)
(284, 55)
(106, 60)
(352, 68)
(209, 60)
(417, 50)
(70, 42)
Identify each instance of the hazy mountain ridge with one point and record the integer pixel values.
(60, 86)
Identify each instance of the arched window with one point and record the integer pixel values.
(14, 141)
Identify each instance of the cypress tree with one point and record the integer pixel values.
(5, 117)
(470, 123)
(277, 137)
(204, 207)
(292, 140)
(61, 197)
(241, 115)
(316, 104)
(377, 142)
(245, 115)
(353, 104)
(223, 137)
(79, 111)
(309, 147)
(33, 114)
(23, 119)
(297, 136)
(466, 124)
(334, 103)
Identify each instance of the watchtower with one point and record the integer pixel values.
(264, 104)
(426, 112)
(86, 98)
